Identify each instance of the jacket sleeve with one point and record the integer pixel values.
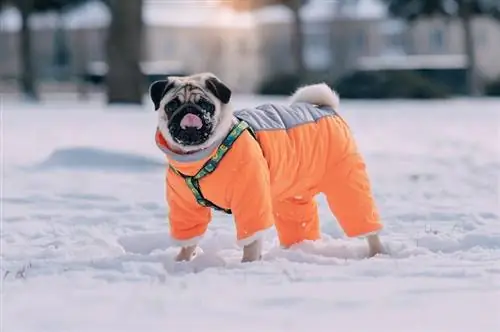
(188, 220)
(250, 198)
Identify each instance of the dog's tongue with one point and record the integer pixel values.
(191, 121)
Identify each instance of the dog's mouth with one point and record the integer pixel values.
(190, 125)
(191, 120)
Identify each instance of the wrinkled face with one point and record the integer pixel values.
(190, 115)
(190, 109)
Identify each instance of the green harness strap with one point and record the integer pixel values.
(210, 166)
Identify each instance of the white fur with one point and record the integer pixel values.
(223, 115)
(187, 243)
(369, 234)
(258, 236)
(318, 94)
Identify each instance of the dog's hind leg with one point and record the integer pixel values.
(349, 195)
(296, 220)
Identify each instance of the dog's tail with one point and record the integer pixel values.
(318, 94)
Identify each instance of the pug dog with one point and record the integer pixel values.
(264, 165)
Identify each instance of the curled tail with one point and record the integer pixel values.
(318, 94)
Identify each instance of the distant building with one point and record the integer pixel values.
(335, 36)
(205, 39)
(361, 35)
(244, 48)
(438, 37)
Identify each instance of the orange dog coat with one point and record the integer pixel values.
(271, 179)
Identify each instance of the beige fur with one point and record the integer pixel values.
(223, 113)
(317, 94)
(186, 254)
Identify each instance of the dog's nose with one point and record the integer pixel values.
(191, 121)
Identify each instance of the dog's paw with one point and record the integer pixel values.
(201, 261)
(377, 251)
(197, 253)
(187, 254)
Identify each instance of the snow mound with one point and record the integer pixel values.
(145, 243)
(447, 243)
(99, 159)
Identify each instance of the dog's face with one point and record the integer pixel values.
(192, 110)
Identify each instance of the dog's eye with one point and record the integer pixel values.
(206, 105)
(172, 105)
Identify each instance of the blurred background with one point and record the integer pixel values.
(363, 48)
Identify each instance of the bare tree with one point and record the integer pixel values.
(340, 40)
(26, 9)
(124, 79)
(28, 85)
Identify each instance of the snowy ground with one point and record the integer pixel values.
(85, 244)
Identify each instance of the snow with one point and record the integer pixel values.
(92, 14)
(85, 243)
(412, 62)
(370, 9)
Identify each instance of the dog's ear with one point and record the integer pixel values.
(218, 89)
(158, 89)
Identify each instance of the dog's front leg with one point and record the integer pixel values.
(374, 245)
(252, 252)
(186, 254)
